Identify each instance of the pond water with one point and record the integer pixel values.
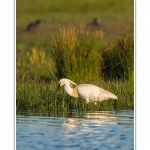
(95, 131)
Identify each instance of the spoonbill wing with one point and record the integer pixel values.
(94, 93)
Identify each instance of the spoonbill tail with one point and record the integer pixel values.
(89, 92)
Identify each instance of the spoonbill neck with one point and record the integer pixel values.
(71, 91)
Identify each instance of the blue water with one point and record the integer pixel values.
(93, 131)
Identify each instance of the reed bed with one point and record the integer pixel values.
(76, 52)
(80, 55)
(118, 57)
(64, 45)
(38, 96)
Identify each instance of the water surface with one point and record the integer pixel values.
(102, 130)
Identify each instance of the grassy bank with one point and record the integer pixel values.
(67, 44)
(38, 96)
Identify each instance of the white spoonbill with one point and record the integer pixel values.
(89, 92)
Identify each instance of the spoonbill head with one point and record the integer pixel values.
(89, 92)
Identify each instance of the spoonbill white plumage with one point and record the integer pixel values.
(89, 92)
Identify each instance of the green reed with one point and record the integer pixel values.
(75, 52)
(118, 57)
(38, 96)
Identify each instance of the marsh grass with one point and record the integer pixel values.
(38, 96)
(118, 58)
(75, 52)
(79, 55)
(114, 15)
(49, 53)
(82, 54)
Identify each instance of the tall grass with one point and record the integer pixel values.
(38, 96)
(80, 55)
(118, 58)
(75, 52)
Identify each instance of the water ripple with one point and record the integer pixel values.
(101, 130)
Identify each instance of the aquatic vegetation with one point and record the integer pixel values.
(118, 58)
(38, 96)
(75, 52)
(64, 46)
